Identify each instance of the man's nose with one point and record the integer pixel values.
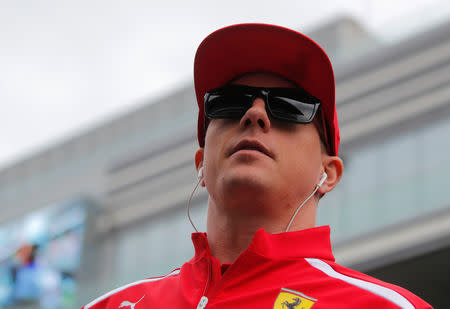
(256, 115)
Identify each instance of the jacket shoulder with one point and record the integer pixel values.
(398, 296)
(132, 290)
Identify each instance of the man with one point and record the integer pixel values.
(269, 140)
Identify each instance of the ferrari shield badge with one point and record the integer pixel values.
(290, 299)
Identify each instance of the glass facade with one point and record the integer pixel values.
(154, 248)
(384, 183)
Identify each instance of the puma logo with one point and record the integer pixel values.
(126, 303)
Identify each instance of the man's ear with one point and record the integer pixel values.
(334, 167)
(199, 162)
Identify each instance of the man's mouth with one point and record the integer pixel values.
(251, 145)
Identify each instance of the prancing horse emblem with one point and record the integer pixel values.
(291, 299)
(126, 303)
(296, 302)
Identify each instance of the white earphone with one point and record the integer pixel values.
(322, 179)
(200, 173)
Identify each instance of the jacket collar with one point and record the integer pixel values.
(307, 243)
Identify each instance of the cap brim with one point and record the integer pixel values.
(238, 49)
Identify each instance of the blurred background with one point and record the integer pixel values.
(98, 131)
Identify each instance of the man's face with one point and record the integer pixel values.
(258, 158)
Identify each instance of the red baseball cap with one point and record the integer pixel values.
(243, 48)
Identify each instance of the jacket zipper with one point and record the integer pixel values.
(204, 300)
(202, 303)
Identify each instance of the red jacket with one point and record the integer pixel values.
(294, 270)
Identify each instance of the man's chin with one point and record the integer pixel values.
(243, 182)
(246, 195)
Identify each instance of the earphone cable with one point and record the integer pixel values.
(299, 207)
(189, 206)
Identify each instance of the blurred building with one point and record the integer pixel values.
(130, 177)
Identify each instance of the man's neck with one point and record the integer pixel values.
(230, 234)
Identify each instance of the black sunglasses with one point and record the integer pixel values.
(287, 104)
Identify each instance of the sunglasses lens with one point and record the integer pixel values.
(292, 109)
(227, 103)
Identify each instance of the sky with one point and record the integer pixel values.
(67, 66)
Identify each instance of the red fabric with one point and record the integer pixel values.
(256, 278)
(238, 49)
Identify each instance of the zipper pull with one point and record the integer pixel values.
(202, 303)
